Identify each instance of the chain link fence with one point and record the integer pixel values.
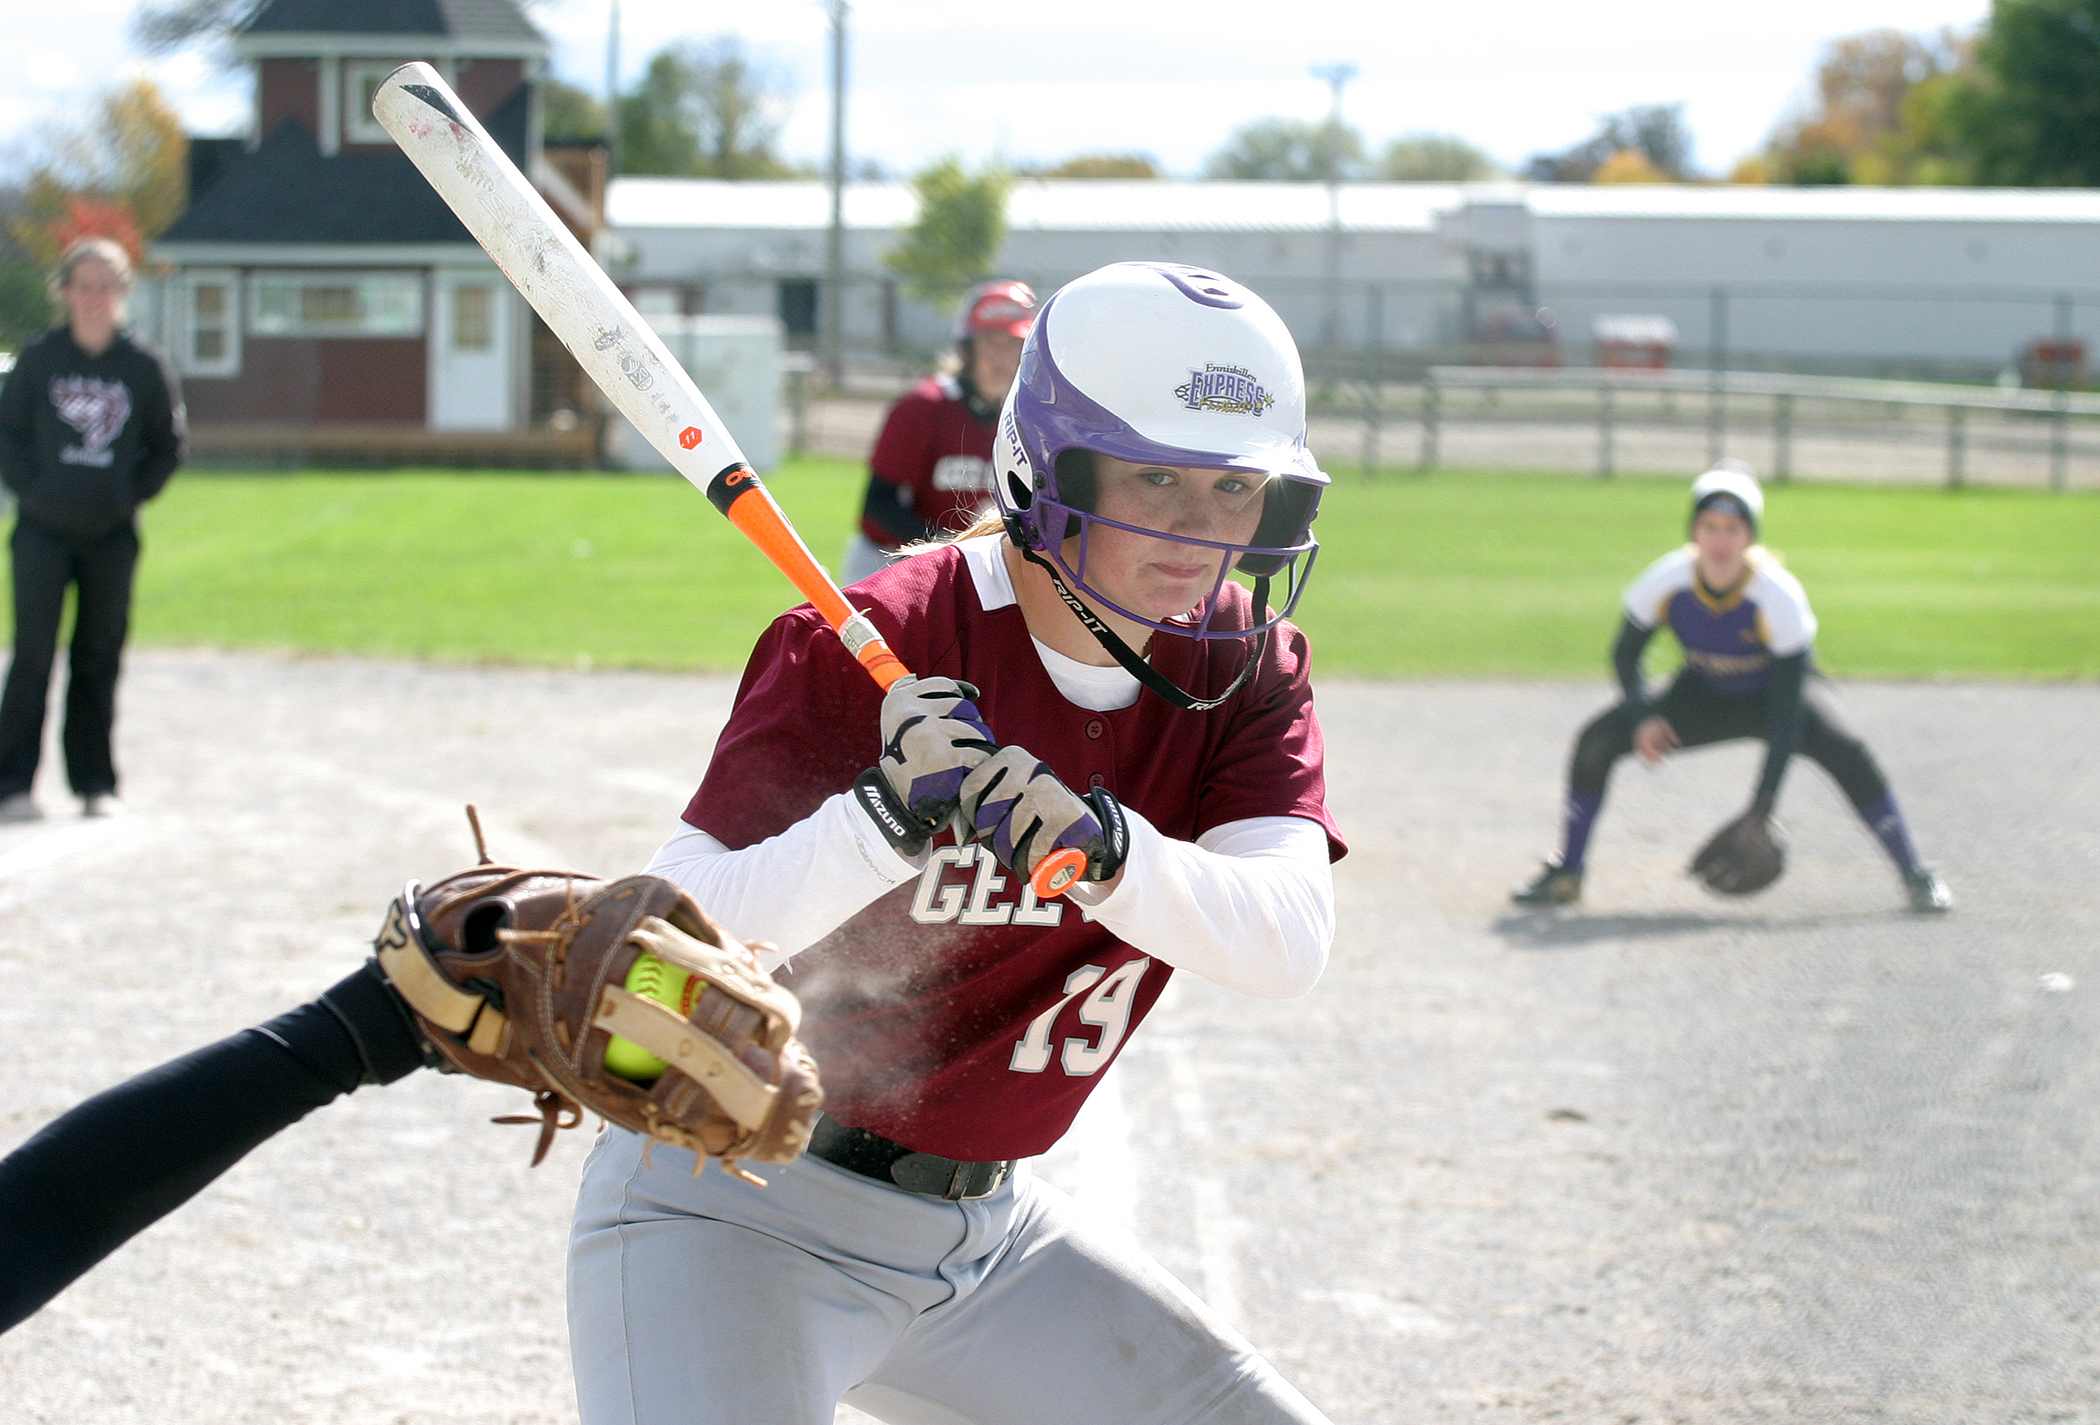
(1607, 421)
(1902, 382)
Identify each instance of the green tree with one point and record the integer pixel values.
(1885, 111)
(1434, 158)
(25, 307)
(1656, 132)
(1102, 165)
(1936, 143)
(570, 114)
(703, 111)
(959, 230)
(2033, 116)
(132, 155)
(1280, 150)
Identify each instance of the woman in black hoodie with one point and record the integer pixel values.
(91, 427)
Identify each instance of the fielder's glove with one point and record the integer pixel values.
(529, 978)
(1743, 857)
(1015, 805)
(932, 736)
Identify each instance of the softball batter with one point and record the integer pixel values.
(1144, 708)
(1748, 637)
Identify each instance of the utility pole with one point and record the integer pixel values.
(1717, 376)
(612, 91)
(1334, 76)
(2059, 429)
(835, 243)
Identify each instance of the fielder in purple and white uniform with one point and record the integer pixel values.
(1748, 636)
(1091, 677)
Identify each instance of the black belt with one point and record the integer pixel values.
(874, 1156)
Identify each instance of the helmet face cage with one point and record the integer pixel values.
(1263, 561)
(1047, 415)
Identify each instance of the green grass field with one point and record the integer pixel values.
(1453, 573)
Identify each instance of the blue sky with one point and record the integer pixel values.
(1171, 79)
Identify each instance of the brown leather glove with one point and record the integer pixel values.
(520, 976)
(1742, 857)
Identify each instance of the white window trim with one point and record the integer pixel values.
(185, 314)
(325, 276)
(358, 124)
(451, 289)
(330, 83)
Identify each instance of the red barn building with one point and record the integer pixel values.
(318, 296)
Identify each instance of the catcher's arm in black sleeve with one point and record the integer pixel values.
(884, 508)
(107, 1169)
(1626, 663)
(1782, 726)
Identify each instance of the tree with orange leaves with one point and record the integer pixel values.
(1879, 114)
(123, 176)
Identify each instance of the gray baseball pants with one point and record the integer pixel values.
(707, 1301)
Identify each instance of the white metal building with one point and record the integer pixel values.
(1919, 279)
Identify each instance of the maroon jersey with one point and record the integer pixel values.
(957, 1014)
(937, 454)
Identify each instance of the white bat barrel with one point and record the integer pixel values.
(543, 260)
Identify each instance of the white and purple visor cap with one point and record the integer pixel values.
(1161, 364)
(1733, 480)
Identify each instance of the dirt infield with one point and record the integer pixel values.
(1662, 1158)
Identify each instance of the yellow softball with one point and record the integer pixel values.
(669, 986)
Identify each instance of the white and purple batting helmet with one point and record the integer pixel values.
(1159, 364)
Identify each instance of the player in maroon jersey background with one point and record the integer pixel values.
(1091, 676)
(930, 473)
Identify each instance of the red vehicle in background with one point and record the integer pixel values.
(1634, 343)
(1517, 336)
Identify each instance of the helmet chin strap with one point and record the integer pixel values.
(1124, 654)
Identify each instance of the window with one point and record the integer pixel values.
(209, 339)
(473, 317)
(336, 304)
(361, 80)
(798, 306)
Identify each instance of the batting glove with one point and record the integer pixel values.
(1016, 805)
(932, 737)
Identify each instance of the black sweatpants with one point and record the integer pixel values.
(1702, 716)
(44, 564)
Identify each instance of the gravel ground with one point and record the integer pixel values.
(1660, 1158)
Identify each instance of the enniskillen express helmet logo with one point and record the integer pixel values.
(1218, 387)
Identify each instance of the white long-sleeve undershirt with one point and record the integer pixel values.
(1248, 905)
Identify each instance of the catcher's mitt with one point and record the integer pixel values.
(1741, 858)
(520, 976)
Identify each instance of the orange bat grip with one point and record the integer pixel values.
(752, 509)
(766, 525)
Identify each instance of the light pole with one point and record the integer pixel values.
(1334, 76)
(612, 91)
(835, 241)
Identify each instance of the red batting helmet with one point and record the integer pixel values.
(1000, 306)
